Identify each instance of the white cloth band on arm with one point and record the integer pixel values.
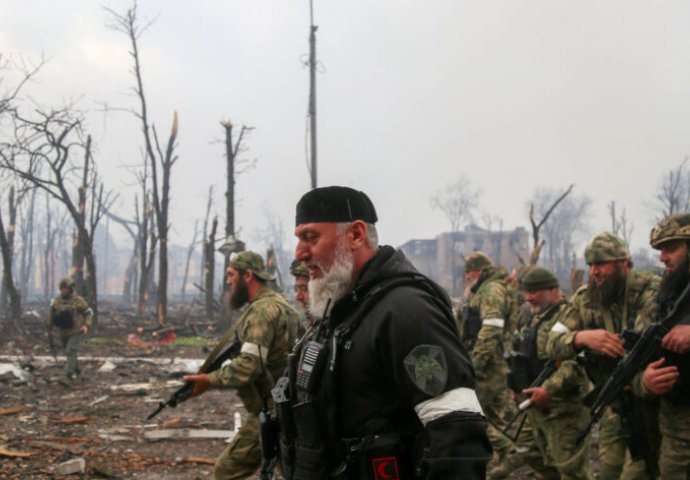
(558, 327)
(458, 400)
(253, 349)
(494, 322)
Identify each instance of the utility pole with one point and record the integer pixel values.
(312, 92)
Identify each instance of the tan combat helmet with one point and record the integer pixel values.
(66, 283)
(673, 227)
(605, 247)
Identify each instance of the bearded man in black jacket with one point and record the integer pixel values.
(380, 387)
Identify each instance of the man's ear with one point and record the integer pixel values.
(247, 276)
(358, 234)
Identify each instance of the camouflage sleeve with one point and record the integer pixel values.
(559, 345)
(85, 310)
(492, 304)
(566, 378)
(647, 316)
(256, 330)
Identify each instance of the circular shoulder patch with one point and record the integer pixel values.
(426, 365)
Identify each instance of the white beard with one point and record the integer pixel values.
(334, 284)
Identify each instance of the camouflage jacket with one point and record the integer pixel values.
(569, 383)
(584, 314)
(71, 309)
(674, 420)
(267, 330)
(497, 310)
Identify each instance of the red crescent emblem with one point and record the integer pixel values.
(385, 468)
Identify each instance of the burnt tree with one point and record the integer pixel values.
(45, 154)
(128, 23)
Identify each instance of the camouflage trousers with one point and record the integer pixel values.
(242, 457)
(527, 447)
(493, 398)
(614, 457)
(71, 344)
(674, 460)
(556, 438)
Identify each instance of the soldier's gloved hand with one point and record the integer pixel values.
(678, 339)
(539, 396)
(601, 341)
(658, 379)
(201, 383)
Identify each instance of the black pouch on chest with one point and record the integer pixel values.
(63, 318)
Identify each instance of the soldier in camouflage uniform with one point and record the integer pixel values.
(558, 415)
(597, 314)
(669, 377)
(267, 330)
(299, 270)
(69, 320)
(491, 299)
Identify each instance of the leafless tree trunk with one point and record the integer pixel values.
(27, 257)
(8, 245)
(190, 251)
(209, 268)
(44, 156)
(457, 201)
(7, 281)
(209, 204)
(619, 224)
(536, 226)
(673, 195)
(128, 24)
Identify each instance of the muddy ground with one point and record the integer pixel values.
(45, 423)
(102, 418)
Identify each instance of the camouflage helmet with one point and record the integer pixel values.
(477, 261)
(252, 261)
(299, 269)
(673, 227)
(605, 247)
(66, 283)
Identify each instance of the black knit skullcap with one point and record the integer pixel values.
(539, 278)
(335, 205)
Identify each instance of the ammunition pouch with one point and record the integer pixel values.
(309, 448)
(471, 324)
(380, 457)
(680, 393)
(63, 318)
(523, 361)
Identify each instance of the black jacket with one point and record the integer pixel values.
(376, 379)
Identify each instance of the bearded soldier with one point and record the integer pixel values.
(267, 330)
(381, 387)
(70, 318)
(669, 376)
(598, 312)
(557, 416)
(300, 271)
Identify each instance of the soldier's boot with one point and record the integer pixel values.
(508, 465)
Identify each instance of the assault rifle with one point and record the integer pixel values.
(646, 349)
(51, 344)
(212, 363)
(546, 371)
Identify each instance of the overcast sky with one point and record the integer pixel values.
(515, 95)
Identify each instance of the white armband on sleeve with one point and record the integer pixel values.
(458, 400)
(254, 349)
(494, 322)
(558, 327)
